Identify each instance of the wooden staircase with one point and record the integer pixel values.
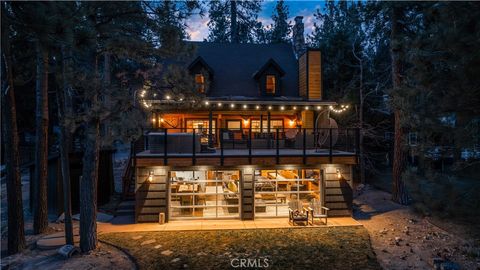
(127, 206)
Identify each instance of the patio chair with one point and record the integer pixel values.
(317, 210)
(296, 212)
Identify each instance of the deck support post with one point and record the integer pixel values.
(278, 147)
(210, 122)
(250, 143)
(193, 146)
(304, 146)
(221, 146)
(330, 146)
(268, 130)
(165, 159)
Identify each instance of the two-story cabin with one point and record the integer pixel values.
(263, 136)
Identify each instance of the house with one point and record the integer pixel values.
(262, 137)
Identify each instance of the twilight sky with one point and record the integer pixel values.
(198, 28)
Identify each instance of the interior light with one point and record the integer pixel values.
(339, 174)
(292, 122)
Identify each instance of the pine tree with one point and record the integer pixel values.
(281, 28)
(233, 21)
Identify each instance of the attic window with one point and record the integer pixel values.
(200, 81)
(270, 84)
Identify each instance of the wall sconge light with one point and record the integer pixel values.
(153, 119)
(292, 122)
(339, 174)
(161, 120)
(245, 122)
(150, 176)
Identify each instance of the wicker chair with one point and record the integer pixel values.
(296, 213)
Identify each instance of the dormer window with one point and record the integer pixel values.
(200, 82)
(269, 79)
(270, 86)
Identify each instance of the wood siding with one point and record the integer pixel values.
(314, 75)
(302, 75)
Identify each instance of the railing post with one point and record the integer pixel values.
(221, 146)
(193, 146)
(278, 149)
(304, 146)
(165, 159)
(250, 144)
(357, 141)
(331, 146)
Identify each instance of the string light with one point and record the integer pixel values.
(232, 105)
(167, 97)
(282, 108)
(244, 106)
(343, 108)
(257, 107)
(219, 104)
(207, 103)
(269, 107)
(294, 107)
(306, 108)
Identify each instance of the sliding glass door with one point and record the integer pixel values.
(274, 189)
(204, 194)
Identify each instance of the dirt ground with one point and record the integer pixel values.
(402, 239)
(104, 257)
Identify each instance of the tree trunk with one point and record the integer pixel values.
(40, 210)
(64, 143)
(233, 21)
(88, 184)
(88, 189)
(399, 192)
(16, 232)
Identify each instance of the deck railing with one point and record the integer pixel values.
(222, 142)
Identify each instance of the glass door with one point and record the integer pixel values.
(204, 194)
(274, 189)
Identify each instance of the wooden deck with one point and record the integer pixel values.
(233, 157)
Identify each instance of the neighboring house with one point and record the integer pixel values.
(262, 138)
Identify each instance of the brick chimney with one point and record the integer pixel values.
(298, 40)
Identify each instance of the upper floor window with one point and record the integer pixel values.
(270, 86)
(200, 81)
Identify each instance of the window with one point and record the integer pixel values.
(200, 125)
(234, 124)
(274, 124)
(200, 81)
(270, 86)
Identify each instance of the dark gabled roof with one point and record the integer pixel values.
(234, 65)
(269, 63)
(199, 60)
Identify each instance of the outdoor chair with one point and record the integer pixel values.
(296, 213)
(317, 210)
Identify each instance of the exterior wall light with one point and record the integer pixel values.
(339, 174)
(150, 176)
